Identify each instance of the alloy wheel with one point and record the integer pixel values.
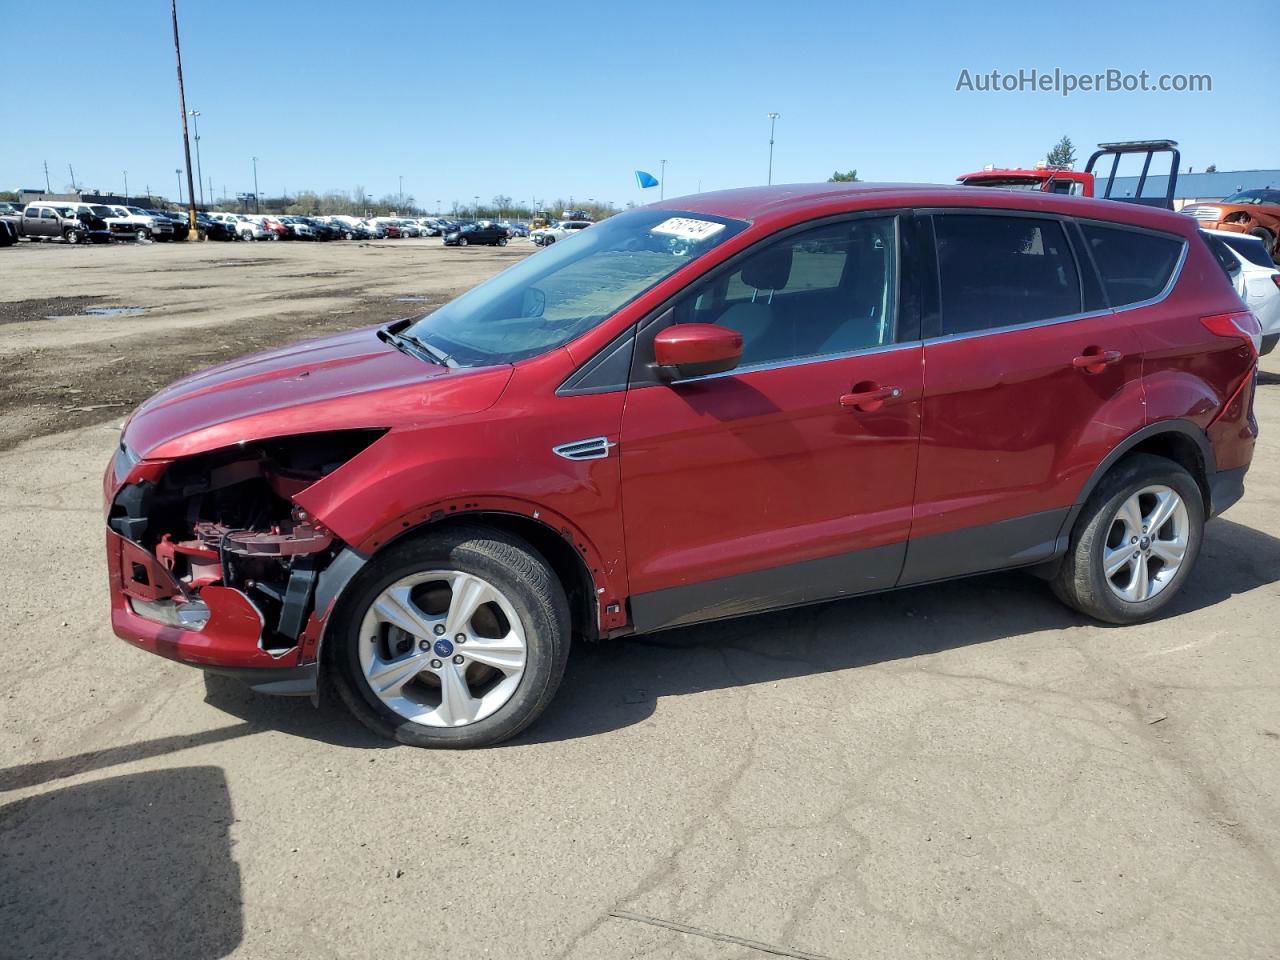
(1146, 543)
(442, 648)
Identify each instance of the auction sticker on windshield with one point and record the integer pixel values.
(688, 228)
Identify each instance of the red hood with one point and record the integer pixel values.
(350, 380)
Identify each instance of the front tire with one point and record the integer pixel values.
(1134, 543)
(462, 241)
(457, 639)
(1268, 240)
(72, 236)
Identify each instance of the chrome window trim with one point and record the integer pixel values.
(802, 361)
(1014, 328)
(1172, 282)
(1071, 318)
(1174, 274)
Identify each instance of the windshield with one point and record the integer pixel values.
(1267, 197)
(559, 294)
(100, 211)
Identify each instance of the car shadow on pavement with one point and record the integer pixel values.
(132, 866)
(616, 684)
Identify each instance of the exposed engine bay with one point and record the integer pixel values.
(227, 519)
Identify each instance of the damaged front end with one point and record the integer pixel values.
(213, 563)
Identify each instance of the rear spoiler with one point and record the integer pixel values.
(1150, 148)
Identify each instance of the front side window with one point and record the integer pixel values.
(555, 296)
(46, 213)
(1135, 266)
(998, 271)
(828, 290)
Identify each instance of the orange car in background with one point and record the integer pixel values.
(1255, 212)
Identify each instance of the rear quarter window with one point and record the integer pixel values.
(1135, 266)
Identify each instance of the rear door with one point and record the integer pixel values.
(789, 478)
(1030, 381)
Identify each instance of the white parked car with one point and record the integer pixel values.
(149, 226)
(558, 231)
(246, 227)
(1255, 276)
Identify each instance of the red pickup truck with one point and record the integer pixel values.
(1047, 179)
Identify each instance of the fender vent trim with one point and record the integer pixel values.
(594, 448)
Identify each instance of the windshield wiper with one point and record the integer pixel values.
(435, 353)
(413, 347)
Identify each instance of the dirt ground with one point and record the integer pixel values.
(964, 770)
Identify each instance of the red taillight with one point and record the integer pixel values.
(1275, 278)
(1240, 326)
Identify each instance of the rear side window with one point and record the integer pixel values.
(997, 271)
(1134, 266)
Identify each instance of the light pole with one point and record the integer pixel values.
(178, 171)
(195, 115)
(437, 208)
(193, 233)
(477, 206)
(400, 194)
(662, 180)
(255, 183)
(126, 187)
(773, 118)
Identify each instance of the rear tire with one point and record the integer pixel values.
(1113, 530)
(529, 602)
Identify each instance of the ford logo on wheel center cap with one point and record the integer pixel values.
(443, 648)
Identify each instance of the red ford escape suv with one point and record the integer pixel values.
(705, 408)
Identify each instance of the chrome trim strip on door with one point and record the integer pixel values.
(802, 361)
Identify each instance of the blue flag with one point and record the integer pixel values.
(645, 180)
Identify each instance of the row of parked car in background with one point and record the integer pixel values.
(77, 222)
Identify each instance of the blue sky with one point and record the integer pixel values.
(547, 99)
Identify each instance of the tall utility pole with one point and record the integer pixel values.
(193, 233)
(195, 118)
(400, 194)
(47, 188)
(211, 188)
(662, 180)
(255, 183)
(773, 118)
(126, 186)
(178, 171)
(70, 170)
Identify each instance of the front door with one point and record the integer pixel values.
(788, 479)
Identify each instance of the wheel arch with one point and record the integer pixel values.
(1179, 440)
(574, 562)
